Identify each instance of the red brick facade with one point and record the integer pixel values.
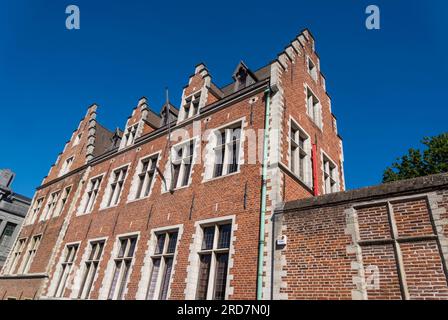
(233, 198)
(385, 242)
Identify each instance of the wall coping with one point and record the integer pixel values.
(386, 190)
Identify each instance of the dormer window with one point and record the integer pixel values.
(241, 78)
(191, 106)
(129, 136)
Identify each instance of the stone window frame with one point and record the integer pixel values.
(166, 185)
(210, 157)
(308, 172)
(107, 198)
(316, 119)
(336, 170)
(110, 268)
(30, 254)
(60, 272)
(77, 139)
(81, 275)
(61, 205)
(35, 209)
(66, 166)
(16, 254)
(195, 248)
(130, 135)
(132, 195)
(147, 267)
(195, 96)
(314, 75)
(50, 205)
(82, 209)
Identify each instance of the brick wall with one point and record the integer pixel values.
(385, 242)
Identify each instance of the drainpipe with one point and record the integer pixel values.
(263, 196)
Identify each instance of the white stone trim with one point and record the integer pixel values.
(57, 273)
(209, 153)
(78, 277)
(167, 173)
(109, 272)
(134, 184)
(308, 174)
(107, 191)
(83, 202)
(145, 273)
(193, 258)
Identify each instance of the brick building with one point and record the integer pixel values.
(237, 194)
(13, 209)
(170, 207)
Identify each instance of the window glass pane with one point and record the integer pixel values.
(176, 170)
(207, 242)
(115, 279)
(124, 279)
(166, 278)
(133, 241)
(99, 251)
(221, 276)
(224, 236)
(160, 243)
(204, 273)
(7, 234)
(172, 242)
(154, 276)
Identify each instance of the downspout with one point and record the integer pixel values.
(263, 196)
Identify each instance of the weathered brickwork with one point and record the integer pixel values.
(385, 242)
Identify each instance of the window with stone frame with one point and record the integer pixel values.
(300, 153)
(7, 234)
(91, 268)
(313, 107)
(227, 150)
(130, 135)
(63, 200)
(66, 267)
(31, 253)
(51, 205)
(330, 172)
(91, 194)
(35, 210)
(213, 261)
(312, 69)
(162, 265)
(122, 266)
(115, 188)
(181, 164)
(146, 174)
(66, 166)
(77, 139)
(17, 253)
(191, 106)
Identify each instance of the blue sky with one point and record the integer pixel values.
(388, 87)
